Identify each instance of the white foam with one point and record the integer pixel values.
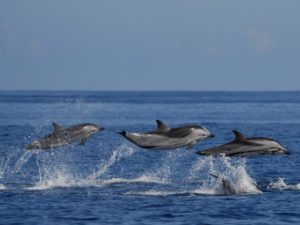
(297, 186)
(280, 184)
(2, 187)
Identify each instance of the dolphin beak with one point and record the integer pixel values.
(286, 152)
(211, 136)
(123, 133)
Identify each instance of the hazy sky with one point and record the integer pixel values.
(150, 45)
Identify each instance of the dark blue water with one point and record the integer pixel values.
(111, 181)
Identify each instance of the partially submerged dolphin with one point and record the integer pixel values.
(243, 146)
(62, 136)
(230, 188)
(165, 137)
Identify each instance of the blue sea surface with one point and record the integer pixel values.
(111, 181)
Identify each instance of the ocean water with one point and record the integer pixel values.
(111, 181)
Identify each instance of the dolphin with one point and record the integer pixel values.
(62, 136)
(227, 185)
(242, 146)
(165, 137)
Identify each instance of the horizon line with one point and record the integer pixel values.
(160, 90)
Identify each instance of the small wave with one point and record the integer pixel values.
(66, 181)
(154, 193)
(170, 193)
(146, 179)
(2, 187)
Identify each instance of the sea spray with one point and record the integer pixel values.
(162, 172)
(26, 155)
(3, 166)
(52, 175)
(121, 152)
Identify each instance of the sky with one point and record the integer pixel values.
(191, 45)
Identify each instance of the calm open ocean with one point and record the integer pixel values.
(111, 181)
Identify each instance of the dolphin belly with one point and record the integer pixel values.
(47, 143)
(241, 150)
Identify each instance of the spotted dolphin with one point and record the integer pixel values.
(165, 137)
(62, 136)
(242, 146)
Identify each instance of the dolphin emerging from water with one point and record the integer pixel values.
(165, 137)
(227, 185)
(243, 146)
(62, 136)
(230, 188)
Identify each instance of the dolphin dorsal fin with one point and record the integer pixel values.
(57, 126)
(161, 126)
(239, 136)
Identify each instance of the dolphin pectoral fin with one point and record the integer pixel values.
(161, 126)
(83, 141)
(190, 145)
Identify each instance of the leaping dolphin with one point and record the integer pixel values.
(165, 137)
(243, 146)
(62, 136)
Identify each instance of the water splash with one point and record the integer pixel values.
(23, 160)
(162, 172)
(280, 184)
(60, 174)
(59, 179)
(2, 172)
(229, 171)
(120, 153)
